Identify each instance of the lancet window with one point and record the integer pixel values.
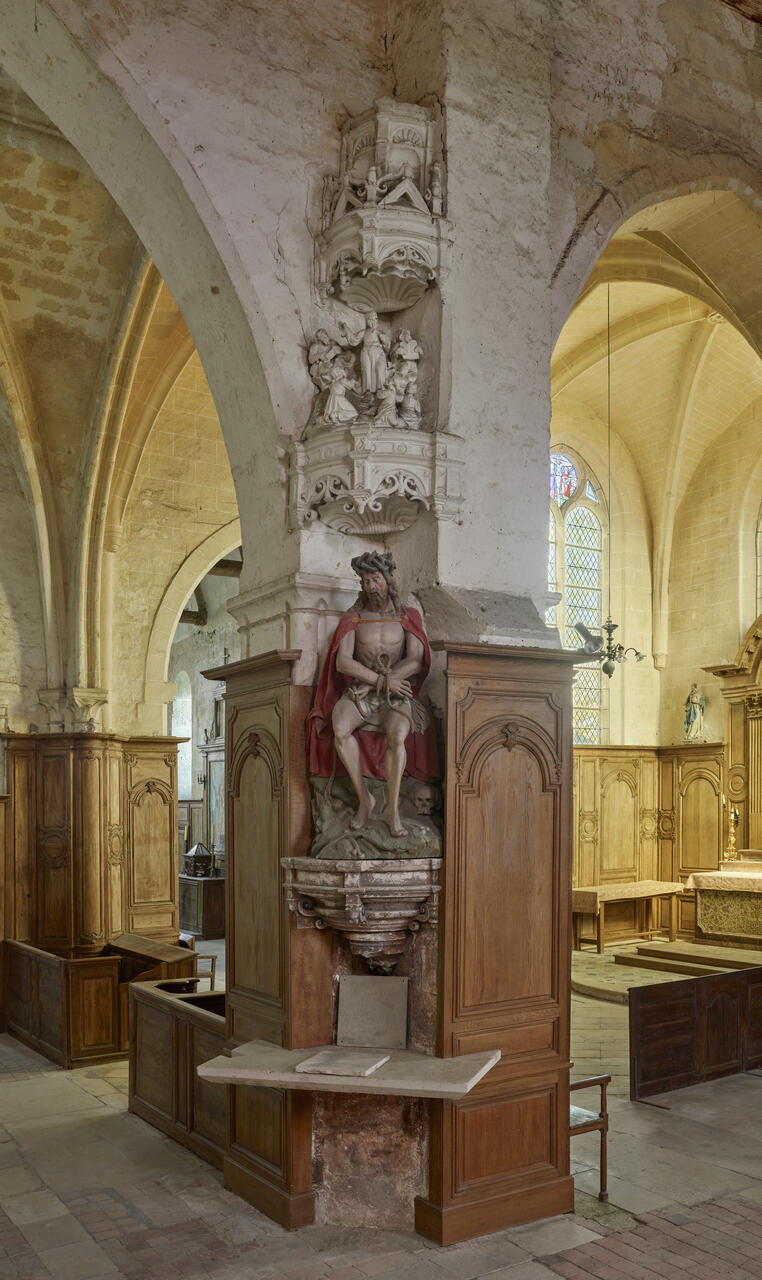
(577, 530)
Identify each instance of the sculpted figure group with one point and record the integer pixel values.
(364, 377)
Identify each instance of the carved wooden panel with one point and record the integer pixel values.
(279, 978)
(170, 1039)
(84, 863)
(94, 1007)
(150, 834)
(21, 904)
(646, 813)
(257, 954)
(698, 1029)
(501, 1155)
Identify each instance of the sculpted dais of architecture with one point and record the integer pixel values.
(369, 462)
(384, 239)
(371, 458)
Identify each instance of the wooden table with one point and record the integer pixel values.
(591, 899)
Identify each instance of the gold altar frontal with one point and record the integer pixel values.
(729, 901)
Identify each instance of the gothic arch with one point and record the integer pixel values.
(120, 134)
(671, 178)
(29, 462)
(156, 691)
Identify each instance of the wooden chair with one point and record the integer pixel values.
(582, 1121)
(189, 941)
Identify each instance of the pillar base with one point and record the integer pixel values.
(450, 1225)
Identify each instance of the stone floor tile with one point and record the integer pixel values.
(542, 1238)
(17, 1180)
(54, 1233)
(77, 1262)
(521, 1271)
(34, 1206)
(474, 1259)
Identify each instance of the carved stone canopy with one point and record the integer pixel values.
(384, 239)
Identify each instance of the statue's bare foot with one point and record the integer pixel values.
(396, 827)
(364, 811)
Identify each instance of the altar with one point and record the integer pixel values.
(729, 901)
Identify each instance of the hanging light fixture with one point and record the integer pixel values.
(608, 654)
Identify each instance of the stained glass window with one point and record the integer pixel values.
(575, 568)
(550, 613)
(563, 478)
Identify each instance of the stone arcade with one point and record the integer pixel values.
(286, 290)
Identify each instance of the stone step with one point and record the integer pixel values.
(697, 955)
(668, 966)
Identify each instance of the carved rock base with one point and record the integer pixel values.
(376, 904)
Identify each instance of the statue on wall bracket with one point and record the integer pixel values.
(369, 726)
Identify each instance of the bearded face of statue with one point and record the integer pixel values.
(376, 589)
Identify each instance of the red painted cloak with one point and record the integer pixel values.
(421, 748)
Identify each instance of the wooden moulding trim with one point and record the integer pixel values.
(260, 662)
(288, 1211)
(458, 1222)
(567, 656)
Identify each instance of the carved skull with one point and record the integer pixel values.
(424, 798)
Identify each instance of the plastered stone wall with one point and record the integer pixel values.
(197, 649)
(22, 655)
(713, 579)
(183, 492)
(647, 97)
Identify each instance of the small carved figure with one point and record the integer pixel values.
(407, 351)
(337, 407)
(366, 708)
(374, 345)
(331, 188)
(693, 723)
(386, 410)
(410, 410)
(322, 353)
(371, 186)
(434, 193)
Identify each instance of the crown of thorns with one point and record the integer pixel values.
(375, 562)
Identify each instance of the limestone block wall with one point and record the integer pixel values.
(183, 493)
(22, 652)
(197, 649)
(712, 591)
(647, 97)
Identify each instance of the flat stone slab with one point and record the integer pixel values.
(343, 1062)
(372, 1012)
(404, 1073)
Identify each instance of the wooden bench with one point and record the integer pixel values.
(583, 1121)
(591, 899)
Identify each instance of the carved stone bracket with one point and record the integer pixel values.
(372, 480)
(375, 904)
(384, 239)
